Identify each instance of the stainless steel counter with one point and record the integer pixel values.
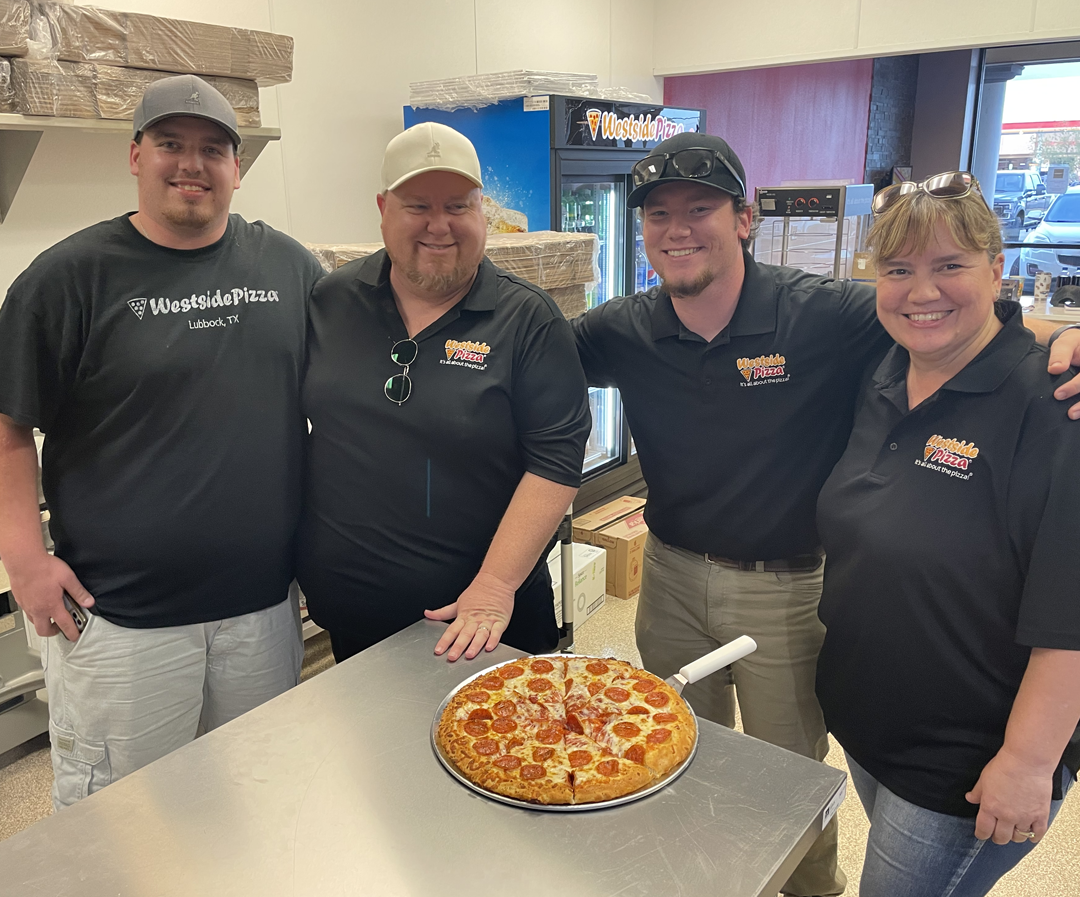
(332, 789)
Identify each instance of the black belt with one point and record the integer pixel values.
(802, 563)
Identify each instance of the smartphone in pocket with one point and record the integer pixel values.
(77, 613)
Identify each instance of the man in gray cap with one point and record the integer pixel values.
(449, 420)
(161, 354)
(739, 381)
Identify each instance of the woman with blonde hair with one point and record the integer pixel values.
(950, 672)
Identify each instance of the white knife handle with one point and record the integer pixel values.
(718, 659)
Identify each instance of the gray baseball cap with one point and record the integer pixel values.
(184, 95)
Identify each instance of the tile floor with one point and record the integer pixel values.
(1053, 870)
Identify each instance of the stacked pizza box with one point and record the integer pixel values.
(85, 62)
(563, 265)
(474, 91)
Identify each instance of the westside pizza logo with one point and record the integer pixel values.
(763, 369)
(465, 353)
(949, 456)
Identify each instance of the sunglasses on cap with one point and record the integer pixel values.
(948, 185)
(688, 163)
(399, 387)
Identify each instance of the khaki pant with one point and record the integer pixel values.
(689, 607)
(121, 698)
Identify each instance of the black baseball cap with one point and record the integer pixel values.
(184, 95)
(717, 166)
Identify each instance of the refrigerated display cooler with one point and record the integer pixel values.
(563, 163)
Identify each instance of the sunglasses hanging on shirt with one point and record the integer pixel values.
(399, 387)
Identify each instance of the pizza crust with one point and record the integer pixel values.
(546, 730)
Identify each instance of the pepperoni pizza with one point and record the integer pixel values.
(566, 730)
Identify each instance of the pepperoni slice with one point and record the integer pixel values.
(478, 697)
(550, 735)
(616, 694)
(635, 753)
(658, 736)
(644, 685)
(491, 683)
(531, 771)
(595, 688)
(505, 708)
(503, 726)
(579, 758)
(568, 685)
(607, 767)
(597, 667)
(511, 672)
(509, 762)
(541, 754)
(573, 723)
(480, 713)
(476, 728)
(540, 684)
(626, 730)
(657, 699)
(514, 743)
(637, 708)
(541, 666)
(665, 717)
(485, 747)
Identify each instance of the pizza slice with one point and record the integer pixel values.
(597, 774)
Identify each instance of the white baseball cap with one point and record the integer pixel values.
(429, 146)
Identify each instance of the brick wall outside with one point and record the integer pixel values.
(892, 113)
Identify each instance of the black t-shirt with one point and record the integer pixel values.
(167, 384)
(401, 502)
(950, 555)
(736, 436)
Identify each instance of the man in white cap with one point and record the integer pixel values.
(161, 354)
(449, 420)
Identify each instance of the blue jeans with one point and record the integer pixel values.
(914, 852)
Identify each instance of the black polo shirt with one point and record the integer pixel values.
(736, 436)
(401, 502)
(949, 530)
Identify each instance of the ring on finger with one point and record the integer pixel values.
(482, 626)
(1026, 835)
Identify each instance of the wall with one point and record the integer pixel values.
(944, 112)
(706, 35)
(892, 112)
(792, 123)
(353, 65)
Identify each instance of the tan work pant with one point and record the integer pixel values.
(688, 607)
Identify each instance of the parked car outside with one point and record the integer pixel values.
(1020, 199)
(1061, 224)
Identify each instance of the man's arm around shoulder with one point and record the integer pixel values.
(38, 580)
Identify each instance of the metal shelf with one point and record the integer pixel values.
(20, 134)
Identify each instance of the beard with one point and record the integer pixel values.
(688, 289)
(192, 217)
(448, 282)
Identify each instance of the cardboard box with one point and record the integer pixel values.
(588, 525)
(14, 27)
(625, 545)
(862, 267)
(590, 582)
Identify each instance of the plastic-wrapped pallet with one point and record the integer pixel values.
(44, 87)
(7, 93)
(14, 27)
(118, 91)
(549, 259)
(109, 37)
(474, 91)
(571, 300)
(333, 255)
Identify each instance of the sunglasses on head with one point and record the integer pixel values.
(688, 163)
(399, 387)
(947, 185)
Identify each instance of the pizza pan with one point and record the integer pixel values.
(549, 808)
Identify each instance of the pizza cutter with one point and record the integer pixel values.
(711, 662)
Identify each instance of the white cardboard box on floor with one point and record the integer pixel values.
(590, 577)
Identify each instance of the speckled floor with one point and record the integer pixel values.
(1052, 870)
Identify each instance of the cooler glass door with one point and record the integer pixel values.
(594, 205)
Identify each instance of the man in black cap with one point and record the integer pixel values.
(739, 381)
(161, 354)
